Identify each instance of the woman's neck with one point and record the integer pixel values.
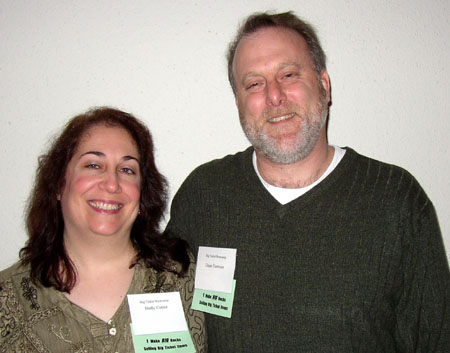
(102, 252)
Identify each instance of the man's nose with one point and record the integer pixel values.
(275, 94)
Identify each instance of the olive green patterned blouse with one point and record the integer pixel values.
(36, 319)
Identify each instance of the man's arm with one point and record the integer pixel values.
(423, 305)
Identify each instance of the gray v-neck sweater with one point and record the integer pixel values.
(357, 264)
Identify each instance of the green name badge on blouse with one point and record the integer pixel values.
(158, 323)
(180, 342)
(214, 283)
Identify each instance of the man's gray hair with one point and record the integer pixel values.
(288, 20)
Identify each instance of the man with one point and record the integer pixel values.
(336, 252)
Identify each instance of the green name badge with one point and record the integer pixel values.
(176, 342)
(216, 303)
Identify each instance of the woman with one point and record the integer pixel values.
(92, 222)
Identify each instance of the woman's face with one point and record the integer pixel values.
(102, 184)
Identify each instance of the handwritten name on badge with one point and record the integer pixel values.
(156, 313)
(215, 269)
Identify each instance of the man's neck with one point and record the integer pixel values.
(299, 174)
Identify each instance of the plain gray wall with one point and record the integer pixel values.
(164, 62)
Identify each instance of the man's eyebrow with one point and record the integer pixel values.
(101, 154)
(295, 64)
(280, 67)
(250, 74)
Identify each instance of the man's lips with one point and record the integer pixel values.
(105, 206)
(281, 118)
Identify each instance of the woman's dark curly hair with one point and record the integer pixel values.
(45, 251)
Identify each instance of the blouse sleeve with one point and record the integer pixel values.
(12, 321)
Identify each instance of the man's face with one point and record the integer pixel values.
(282, 104)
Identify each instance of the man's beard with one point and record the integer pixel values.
(312, 123)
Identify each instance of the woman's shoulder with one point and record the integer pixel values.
(11, 309)
(13, 271)
(164, 281)
(19, 296)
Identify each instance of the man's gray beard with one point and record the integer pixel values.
(311, 125)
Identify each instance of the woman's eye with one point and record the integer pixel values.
(92, 166)
(127, 171)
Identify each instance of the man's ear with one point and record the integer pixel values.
(325, 80)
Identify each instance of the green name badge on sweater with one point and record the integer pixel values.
(214, 280)
(216, 303)
(176, 342)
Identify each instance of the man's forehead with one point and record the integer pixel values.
(267, 41)
(265, 35)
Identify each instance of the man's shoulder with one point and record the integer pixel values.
(222, 167)
(375, 166)
(383, 174)
(226, 161)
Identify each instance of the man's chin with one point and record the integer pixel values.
(282, 156)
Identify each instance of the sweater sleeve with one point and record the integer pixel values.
(183, 212)
(423, 301)
(195, 319)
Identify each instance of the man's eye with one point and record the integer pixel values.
(254, 86)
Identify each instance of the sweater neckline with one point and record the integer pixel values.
(257, 188)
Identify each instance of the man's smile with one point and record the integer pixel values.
(281, 118)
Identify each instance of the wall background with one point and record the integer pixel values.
(164, 62)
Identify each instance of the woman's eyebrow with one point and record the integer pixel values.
(101, 154)
(127, 158)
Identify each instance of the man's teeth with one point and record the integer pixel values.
(105, 206)
(280, 118)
